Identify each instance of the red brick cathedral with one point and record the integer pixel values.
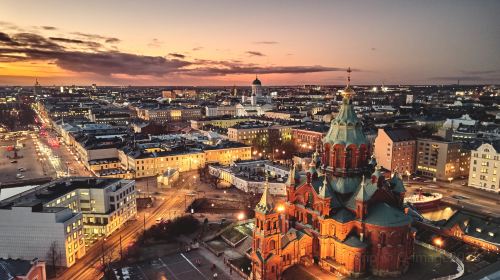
(342, 213)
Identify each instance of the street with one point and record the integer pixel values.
(88, 266)
(461, 196)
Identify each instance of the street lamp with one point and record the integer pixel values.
(280, 208)
(438, 242)
(241, 216)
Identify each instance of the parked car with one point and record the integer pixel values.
(19, 176)
(21, 169)
(13, 161)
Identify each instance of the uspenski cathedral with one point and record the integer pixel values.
(342, 213)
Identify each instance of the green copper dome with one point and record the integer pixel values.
(346, 128)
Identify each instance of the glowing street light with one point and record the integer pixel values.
(438, 242)
(241, 216)
(280, 208)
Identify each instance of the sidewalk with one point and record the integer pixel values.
(218, 261)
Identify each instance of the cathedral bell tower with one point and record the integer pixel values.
(266, 247)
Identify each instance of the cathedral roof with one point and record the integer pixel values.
(354, 241)
(382, 214)
(343, 216)
(346, 184)
(397, 183)
(365, 190)
(266, 203)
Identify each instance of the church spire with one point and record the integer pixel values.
(347, 93)
(266, 203)
(322, 189)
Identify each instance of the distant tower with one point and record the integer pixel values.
(235, 91)
(253, 99)
(257, 87)
(37, 88)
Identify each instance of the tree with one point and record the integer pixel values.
(54, 256)
(106, 256)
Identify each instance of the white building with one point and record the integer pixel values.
(455, 123)
(29, 231)
(409, 98)
(65, 212)
(256, 104)
(105, 203)
(243, 176)
(168, 178)
(484, 170)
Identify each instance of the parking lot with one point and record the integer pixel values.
(178, 267)
(9, 167)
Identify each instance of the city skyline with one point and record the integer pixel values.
(228, 43)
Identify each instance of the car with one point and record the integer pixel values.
(13, 161)
(19, 176)
(21, 169)
(159, 220)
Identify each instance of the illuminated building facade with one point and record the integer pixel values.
(441, 159)
(153, 162)
(484, 170)
(395, 148)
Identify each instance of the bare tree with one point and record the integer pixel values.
(106, 256)
(54, 256)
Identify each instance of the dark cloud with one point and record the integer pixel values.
(35, 41)
(110, 40)
(155, 43)
(5, 38)
(177, 55)
(197, 49)
(76, 41)
(237, 68)
(110, 62)
(48, 27)
(104, 62)
(255, 53)
(266, 42)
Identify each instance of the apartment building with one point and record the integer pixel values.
(308, 138)
(441, 159)
(395, 148)
(484, 167)
(170, 114)
(155, 161)
(218, 122)
(214, 111)
(254, 133)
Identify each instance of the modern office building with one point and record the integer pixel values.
(441, 159)
(30, 229)
(62, 214)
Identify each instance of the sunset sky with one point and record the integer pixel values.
(228, 42)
